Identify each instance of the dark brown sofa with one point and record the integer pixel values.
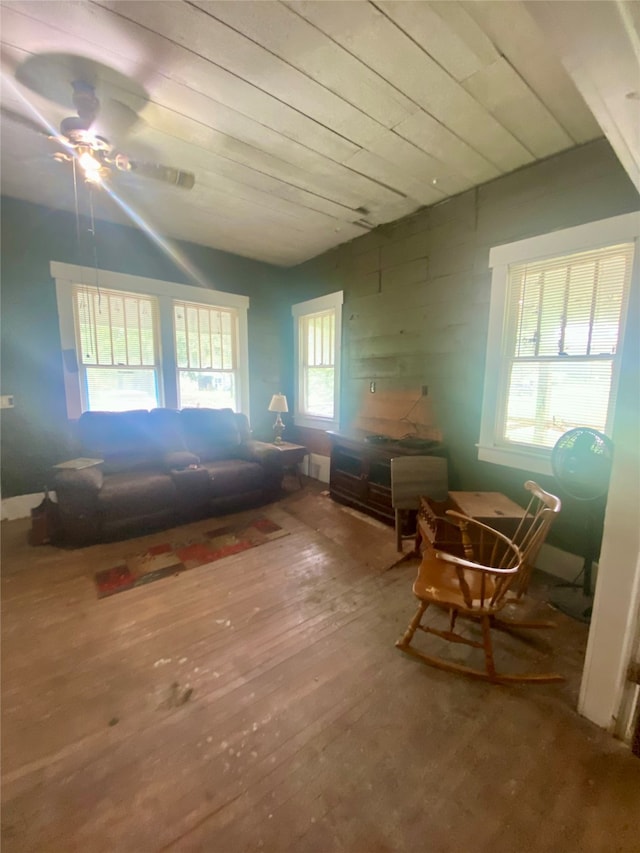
(162, 467)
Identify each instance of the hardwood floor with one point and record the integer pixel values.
(259, 704)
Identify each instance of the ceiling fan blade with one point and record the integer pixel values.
(53, 74)
(156, 172)
(25, 121)
(116, 120)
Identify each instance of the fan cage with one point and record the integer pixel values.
(581, 463)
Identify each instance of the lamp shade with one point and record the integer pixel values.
(278, 403)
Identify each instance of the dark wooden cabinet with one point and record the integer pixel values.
(361, 470)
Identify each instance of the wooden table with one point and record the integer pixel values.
(292, 456)
(491, 508)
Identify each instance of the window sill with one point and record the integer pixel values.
(537, 462)
(315, 423)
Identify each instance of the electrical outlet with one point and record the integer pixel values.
(425, 390)
(6, 401)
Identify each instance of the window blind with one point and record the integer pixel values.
(320, 340)
(569, 306)
(116, 342)
(206, 355)
(205, 338)
(318, 335)
(115, 329)
(563, 326)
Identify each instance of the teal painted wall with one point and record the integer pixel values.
(34, 433)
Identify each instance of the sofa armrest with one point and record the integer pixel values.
(87, 481)
(260, 451)
(77, 493)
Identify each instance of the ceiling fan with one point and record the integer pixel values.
(96, 156)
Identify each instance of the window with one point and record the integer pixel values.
(317, 337)
(556, 326)
(317, 333)
(562, 334)
(130, 342)
(117, 346)
(205, 340)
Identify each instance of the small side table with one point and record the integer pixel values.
(492, 508)
(292, 456)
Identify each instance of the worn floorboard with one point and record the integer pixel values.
(259, 703)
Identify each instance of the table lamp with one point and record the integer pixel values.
(278, 404)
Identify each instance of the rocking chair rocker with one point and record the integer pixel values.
(470, 574)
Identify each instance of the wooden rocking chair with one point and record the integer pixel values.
(471, 573)
(532, 531)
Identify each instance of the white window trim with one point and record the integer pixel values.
(593, 235)
(332, 301)
(66, 275)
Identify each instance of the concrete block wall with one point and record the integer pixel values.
(417, 297)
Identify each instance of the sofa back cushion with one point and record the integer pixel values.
(242, 422)
(210, 433)
(123, 439)
(166, 427)
(138, 440)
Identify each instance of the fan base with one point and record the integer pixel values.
(573, 601)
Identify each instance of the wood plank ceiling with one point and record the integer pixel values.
(305, 123)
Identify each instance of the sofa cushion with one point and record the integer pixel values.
(136, 493)
(210, 433)
(234, 477)
(119, 463)
(166, 430)
(178, 460)
(123, 439)
(193, 487)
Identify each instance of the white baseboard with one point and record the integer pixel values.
(20, 506)
(317, 467)
(562, 564)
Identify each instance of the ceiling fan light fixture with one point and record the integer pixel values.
(94, 154)
(122, 162)
(82, 138)
(91, 166)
